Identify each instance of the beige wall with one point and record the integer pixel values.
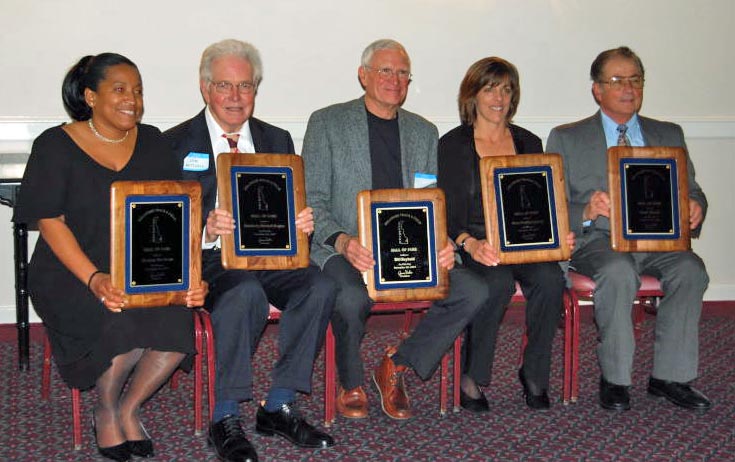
(311, 51)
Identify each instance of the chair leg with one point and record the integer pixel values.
(209, 342)
(457, 371)
(76, 413)
(443, 388)
(46, 371)
(198, 429)
(567, 372)
(574, 395)
(330, 378)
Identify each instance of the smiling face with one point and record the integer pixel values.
(385, 94)
(117, 105)
(619, 104)
(492, 103)
(230, 109)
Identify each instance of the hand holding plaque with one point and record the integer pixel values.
(155, 240)
(405, 229)
(264, 193)
(649, 199)
(525, 207)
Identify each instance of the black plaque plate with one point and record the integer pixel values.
(405, 245)
(649, 199)
(264, 213)
(156, 251)
(524, 199)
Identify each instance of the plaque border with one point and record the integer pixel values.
(620, 240)
(549, 179)
(365, 199)
(292, 241)
(673, 233)
(523, 163)
(120, 191)
(186, 254)
(230, 258)
(433, 274)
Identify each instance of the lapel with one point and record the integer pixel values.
(260, 141)
(356, 155)
(406, 135)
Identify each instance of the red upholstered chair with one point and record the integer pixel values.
(330, 374)
(569, 316)
(76, 398)
(583, 288)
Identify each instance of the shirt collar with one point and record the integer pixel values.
(611, 130)
(219, 144)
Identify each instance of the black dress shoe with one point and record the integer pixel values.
(535, 398)
(476, 405)
(614, 397)
(118, 453)
(681, 394)
(142, 448)
(229, 441)
(289, 424)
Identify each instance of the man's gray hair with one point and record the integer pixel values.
(382, 44)
(231, 47)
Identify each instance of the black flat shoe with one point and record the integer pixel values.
(681, 394)
(476, 405)
(142, 448)
(119, 453)
(538, 401)
(287, 423)
(614, 397)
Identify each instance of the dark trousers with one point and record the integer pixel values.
(238, 302)
(434, 334)
(542, 285)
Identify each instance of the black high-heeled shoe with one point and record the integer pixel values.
(118, 453)
(142, 448)
(538, 401)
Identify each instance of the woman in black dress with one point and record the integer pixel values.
(488, 99)
(66, 193)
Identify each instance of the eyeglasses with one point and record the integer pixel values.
(224, 87)
(388, 73)
(618, 83)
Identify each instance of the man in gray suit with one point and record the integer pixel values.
(618, 78)
(371, 143)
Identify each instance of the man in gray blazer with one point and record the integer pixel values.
(371, 143)
(618, 78)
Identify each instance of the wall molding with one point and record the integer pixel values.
(17, 133)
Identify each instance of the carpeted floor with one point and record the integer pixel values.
(36, 430)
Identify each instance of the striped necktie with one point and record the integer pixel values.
(622, 139)
(232, 140)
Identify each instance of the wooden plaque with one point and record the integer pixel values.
(264, 193)
(525, 206)
(649, 199)
(155, 249)
(405, 229)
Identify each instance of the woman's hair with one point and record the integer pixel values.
(491, 71)
(87, 73)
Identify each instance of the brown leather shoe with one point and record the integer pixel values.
(389, 379)
(352, 404)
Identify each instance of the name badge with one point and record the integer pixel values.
(423, 180)
(196, 162)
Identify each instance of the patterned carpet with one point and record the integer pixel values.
(35, 430)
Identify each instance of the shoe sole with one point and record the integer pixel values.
(618, 408)
(271, 432)
(380, 392)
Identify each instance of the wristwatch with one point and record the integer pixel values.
(463, 241)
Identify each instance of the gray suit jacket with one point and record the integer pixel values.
(584, 150)
(336, 154)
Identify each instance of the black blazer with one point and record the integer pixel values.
(458, 174)
(193, 136)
